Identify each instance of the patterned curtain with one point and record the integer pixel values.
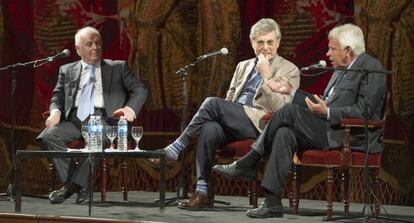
(157, 37)
(389, 28)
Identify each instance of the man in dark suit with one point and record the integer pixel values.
(90, 86)
(311, 121)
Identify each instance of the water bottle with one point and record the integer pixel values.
(99, 134)
(122, 133)
(91, 133)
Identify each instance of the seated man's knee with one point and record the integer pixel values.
(287, 109)
(209, 101)
(49, 137)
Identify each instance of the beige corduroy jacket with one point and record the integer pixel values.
(265, 100)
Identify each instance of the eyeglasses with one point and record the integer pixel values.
(262, 42)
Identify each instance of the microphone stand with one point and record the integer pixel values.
(14, 67)
(182, 184)
(367, 212)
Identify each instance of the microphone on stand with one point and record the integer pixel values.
(320, 64)
(63, 54)
(222, 51)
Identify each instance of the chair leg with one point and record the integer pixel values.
(250, 193)
(52, 177)
(296, 188)
(345, 182)
(329, 193)
(103, 180)
(212, 185)
(212, 190)
(376, 190)
(290, 187)
(254, 193)
(124, 179)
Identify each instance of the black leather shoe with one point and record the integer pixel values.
(231, 171)
(83, 195)
(267, 209)
(59, 196)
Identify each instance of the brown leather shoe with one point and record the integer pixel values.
(197, 201)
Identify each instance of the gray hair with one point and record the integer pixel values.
(265, 26)
(349, 35)
(83, 31)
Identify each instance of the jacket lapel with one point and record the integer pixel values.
(106, 74)
(345, 81)
(250, 66)
(274, 66)
(330, 83)
(75, 79)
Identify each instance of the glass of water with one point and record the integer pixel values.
(85, 135)
(137, 132)
(111, 132)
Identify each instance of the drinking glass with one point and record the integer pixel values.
(137, 132)
(85, 135)
(111, 132)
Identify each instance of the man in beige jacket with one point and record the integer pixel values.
(219, 121)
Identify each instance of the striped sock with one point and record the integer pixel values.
(202, 187)
(174, 149)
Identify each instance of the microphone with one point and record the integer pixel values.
(320, 64)
(222, 51)
(64, 53)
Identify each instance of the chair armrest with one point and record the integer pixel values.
(266, 117)
(360, 123)
(349, 123)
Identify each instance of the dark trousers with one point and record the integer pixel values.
(217, 122)
(56, 139)
(291, 127)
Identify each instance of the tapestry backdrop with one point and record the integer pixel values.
(158, 37)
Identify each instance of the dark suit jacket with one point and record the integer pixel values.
(347, 100)
(120, 88)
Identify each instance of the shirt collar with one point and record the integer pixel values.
(97, 65)
(349, 66)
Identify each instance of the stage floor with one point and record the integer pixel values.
(141, 208)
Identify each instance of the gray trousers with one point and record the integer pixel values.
(217, 122)
(291, 127)
(56, 138)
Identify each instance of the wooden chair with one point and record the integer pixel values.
(340, 159)
(234, 151)
(79, 144)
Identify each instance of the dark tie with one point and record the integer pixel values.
(86, 106)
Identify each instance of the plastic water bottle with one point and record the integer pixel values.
(91, 133)
(99, 134)
(122, 134)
